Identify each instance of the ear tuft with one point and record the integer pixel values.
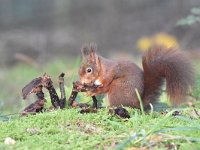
(85, 50)
(93, 47)
(89, 53)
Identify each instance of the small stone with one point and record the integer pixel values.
(9, 141)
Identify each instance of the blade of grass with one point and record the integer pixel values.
(122, 145)
(179, 129)
(172, 137)
(193, 122)
(140, 100)
(151, 111)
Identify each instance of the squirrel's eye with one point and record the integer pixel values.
(89, 70)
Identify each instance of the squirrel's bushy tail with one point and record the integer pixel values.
(161, 63)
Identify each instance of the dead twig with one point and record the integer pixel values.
(35, 86)
(37, 106)
(48, 84)
(62, 91)
(78, 87)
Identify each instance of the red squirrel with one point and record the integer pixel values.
(120, 79)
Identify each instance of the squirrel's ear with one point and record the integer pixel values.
(93, 48)
(85, 51)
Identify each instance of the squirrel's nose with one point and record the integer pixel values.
(88, 83)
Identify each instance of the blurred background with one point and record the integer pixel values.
(38, 36)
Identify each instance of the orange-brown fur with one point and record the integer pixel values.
(119, 79)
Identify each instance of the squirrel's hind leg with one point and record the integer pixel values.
(122, 92)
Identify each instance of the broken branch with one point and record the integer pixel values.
(48, 84)
(62, 91)
(37, 106)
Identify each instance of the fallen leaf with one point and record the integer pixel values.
(33, 130)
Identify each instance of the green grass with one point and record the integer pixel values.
(68, 129)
